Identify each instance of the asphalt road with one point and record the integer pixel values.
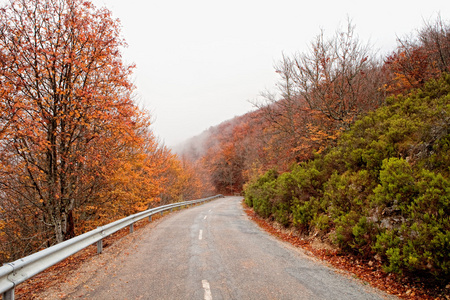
(214, 251)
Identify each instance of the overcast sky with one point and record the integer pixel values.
(200, 62)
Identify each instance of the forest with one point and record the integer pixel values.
(76, 151)
(352, 149)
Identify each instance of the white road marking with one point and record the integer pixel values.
(204, 218)
(200, 234)
(209, 210)
(207, 289)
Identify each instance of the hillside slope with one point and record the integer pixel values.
(383, 192)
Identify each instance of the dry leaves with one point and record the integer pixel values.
(368, 271)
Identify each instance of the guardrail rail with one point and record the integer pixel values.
(14, 273)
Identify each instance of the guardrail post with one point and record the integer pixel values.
(150, 218)
(99, 246)
(131, 227)
(9, 294)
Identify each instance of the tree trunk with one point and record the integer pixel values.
(70, 226)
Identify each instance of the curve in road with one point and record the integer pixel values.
(214, 251)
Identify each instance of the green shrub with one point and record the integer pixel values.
(422, 241)
(396, 189)
(286, 187)
(363, 236)
(343, 235)
(302, 214)
(282, 215)
(322, 222)
(258, 194)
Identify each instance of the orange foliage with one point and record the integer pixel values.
(410, 69)
(75, 150)
(69, 93)
(185, 182)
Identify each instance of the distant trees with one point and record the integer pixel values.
(224, 161)
(227, 155)
(184, 180)
(320, 94)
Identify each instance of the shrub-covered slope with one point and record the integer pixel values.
(383, 191)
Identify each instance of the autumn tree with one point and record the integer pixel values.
(419, 58)
(283, 111)
(133, 177)
(339, 76)
(294, 129)
(320, 93)
(66, 109)
(436, 37)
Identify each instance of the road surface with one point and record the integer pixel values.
(214, 251)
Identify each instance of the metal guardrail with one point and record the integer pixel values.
(14, 273)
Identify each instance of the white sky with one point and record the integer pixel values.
(200, 62)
